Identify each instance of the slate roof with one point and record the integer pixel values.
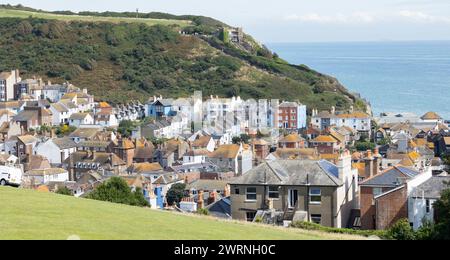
(392, 177)
(220, 208)
(291, 172)
(26, 115)
(78, 116)
(432, 188)
(59, 107)
(84, 132)
(64, 143)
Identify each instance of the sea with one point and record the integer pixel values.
(392, 76)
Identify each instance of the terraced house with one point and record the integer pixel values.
(358, 121)
(282, 191)
(7, 82)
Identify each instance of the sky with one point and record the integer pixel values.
(271, 21)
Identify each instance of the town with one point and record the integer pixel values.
(268, 161)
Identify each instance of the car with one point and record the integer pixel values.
(10, 175)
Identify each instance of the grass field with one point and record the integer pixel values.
(26, 14)
(27, 214)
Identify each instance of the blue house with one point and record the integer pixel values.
(160, 107)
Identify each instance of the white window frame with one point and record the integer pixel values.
(311, 195)
(247, 193)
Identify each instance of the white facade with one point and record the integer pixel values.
(86, 120)
(52, 152)
(194, 159)
(47, 175)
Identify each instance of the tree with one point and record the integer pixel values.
(442, 209)
(402, 231)
(364, 146)
(116, 190)
(65, 130)
(176, 193)
(64, 191)
(126, 127)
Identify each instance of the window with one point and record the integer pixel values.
(316, 218)
(250, 216)
(273, 192)
(315, 196)
(251, 193)
(377, 191)
(236, 191)
(427, 206)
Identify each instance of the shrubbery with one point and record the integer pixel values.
(116, 190)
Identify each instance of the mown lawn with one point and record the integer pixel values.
(26, 14)
(27, 214)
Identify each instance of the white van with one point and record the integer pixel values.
(10, 175)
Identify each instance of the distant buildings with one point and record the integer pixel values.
(358, 121)
(291, 115)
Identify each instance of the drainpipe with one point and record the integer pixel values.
(307, 198)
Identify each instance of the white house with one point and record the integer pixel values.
(195, 157)
(44, 176)
(422, 197)
(56, 150)
(61, 113)
(79, 119)
(358, 121)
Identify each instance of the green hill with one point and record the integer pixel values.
(27, 214)
(118, 58)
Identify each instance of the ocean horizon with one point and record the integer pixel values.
(394, 76)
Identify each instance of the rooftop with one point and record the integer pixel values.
(291, 172)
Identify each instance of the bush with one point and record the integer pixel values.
(116, 190)
(401, 231)
(317, 227)
(203, 211)
(64, 191)
(364, 146)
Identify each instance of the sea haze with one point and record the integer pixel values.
(393, 76)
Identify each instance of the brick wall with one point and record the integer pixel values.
(391, 207)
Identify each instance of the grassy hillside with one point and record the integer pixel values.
(27, 214)
(87, 18)
(118, 61)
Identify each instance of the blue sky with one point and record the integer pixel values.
(296, 20)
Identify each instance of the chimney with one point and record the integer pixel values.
(344, 165)
(212, 197)
(85, 91)
(376, 162)
(200, 201)
(369, 169)
(333, 110)
(226, 191)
